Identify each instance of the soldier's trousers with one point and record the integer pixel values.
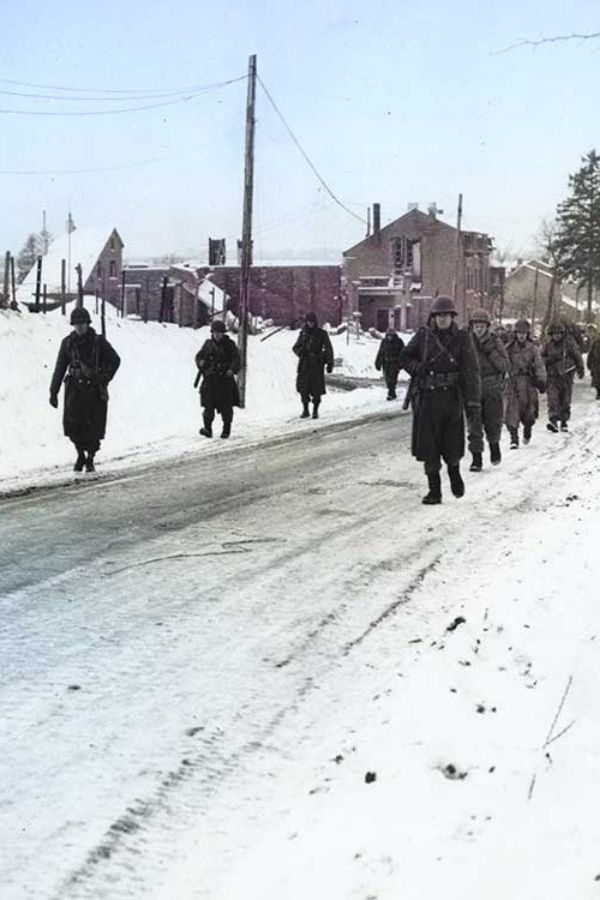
(226, 414)
(391, 380)
(559, 394)
(486, 419)
(442, 420)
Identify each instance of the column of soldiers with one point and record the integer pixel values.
(476, 375)
(456, 374)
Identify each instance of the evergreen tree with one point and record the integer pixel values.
(579, 228)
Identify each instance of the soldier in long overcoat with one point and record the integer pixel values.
(526, 376)
(493, 366)
(218, 362)
(315, 355)
(443, 364)
(388, 358)
(89, 362)
(593, 360)
(563, 360)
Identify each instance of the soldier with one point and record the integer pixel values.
(527, 376)
(90, 363)
(388, 359)
(218, 363)
(593, 360)
(443, 364)
(493, 366)
(563, 358)
(315, 353)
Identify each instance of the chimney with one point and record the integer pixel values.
(376, 218)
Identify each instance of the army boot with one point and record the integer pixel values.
(80, 461)
(564, 426)
(526, 434)
(434, 495)
(552, 425)
(456, 483)
(305, 410)
(477, 464)
(514, 438)
(226, 430)
(495, 455)
(89, 463)
(206, 429)
(315, 414)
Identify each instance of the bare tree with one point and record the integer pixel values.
(552, 251)
(555, 39)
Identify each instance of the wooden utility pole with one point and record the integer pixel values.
(458, 249)
(63, 285)
(247, 229)
(535, 298)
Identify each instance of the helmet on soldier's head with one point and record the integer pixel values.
(522, 325)
(443, 305)
(390, 332)
(556, 328)
(80, 316)
(218, 325)
(481, 315)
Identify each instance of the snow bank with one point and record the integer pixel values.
(154, 410)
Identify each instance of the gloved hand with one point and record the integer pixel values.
(541, 387)
(580, 375)
(54, 401)
(229, 373)
(329, 370)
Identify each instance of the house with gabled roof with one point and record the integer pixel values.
(392, 276)
(100, 254)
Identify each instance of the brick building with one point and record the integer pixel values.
(391, 277)
(283, 293)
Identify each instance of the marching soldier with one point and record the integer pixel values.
(563, 359)
(443, 364)
(493, 366)
(593, 360)
(89, 362)
(218, 363)
(315, 353)
(527, 376)
(388, 359)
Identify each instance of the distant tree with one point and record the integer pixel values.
(550, 243)
(32, 248)
(578, 229)
(169, 259)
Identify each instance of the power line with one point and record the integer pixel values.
(126, 109)
(124, 91)
(307, 158)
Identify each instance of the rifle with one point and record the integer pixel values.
(414, 380)
(103, 319)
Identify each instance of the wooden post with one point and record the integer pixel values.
(44, 299)
(6, 277)
(79, 285)
(212, 305)
(247, 229)
(96, 307)
(13, 282)
(122, 293)
(38, 283)
(103, 317)
(63, 285)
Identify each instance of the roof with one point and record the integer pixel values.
(207, 291)
(86, 246)
(412, 214)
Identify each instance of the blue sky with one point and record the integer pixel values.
(394, 102)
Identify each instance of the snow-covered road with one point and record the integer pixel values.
(201, 660)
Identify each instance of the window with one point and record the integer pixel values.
(113, 268)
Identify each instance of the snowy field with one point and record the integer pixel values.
(154, 411)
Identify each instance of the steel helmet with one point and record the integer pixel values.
(522, 325)
(556, 328)
(443, 304)
(80, 316)
(481, 315)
